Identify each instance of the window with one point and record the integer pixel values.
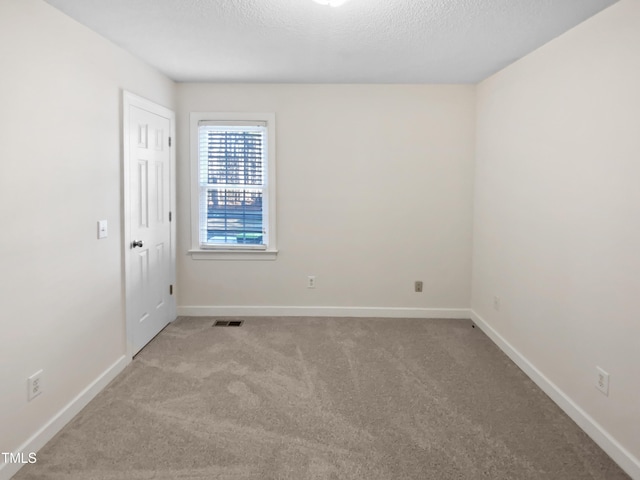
(233, 185)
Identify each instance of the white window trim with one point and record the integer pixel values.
(237, 253)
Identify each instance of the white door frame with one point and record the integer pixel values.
(130, 100)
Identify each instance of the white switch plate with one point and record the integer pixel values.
(102, 229)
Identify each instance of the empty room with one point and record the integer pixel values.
(320, 239)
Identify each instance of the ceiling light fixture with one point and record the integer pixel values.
(331, 3)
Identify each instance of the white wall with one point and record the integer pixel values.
(61, 297)
(557, 214)
(374, 192)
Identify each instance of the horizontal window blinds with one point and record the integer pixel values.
(232, 161)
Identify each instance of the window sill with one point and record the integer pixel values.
(235, 254)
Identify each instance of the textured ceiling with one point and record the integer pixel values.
(363, 41)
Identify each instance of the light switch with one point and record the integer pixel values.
(102, 229)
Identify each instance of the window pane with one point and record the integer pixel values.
(231, 176)
(234, 216)
(232, 156)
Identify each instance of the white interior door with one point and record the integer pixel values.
(148, 238)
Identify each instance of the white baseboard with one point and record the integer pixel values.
(271, 311)
(628, 462)
(64, 416)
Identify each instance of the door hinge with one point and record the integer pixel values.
(170, 289)
(169, 216)
(169, 141)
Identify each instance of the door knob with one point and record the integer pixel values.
(137, 243)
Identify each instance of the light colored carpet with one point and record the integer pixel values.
(322, 398)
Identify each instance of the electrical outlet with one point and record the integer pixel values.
(418, 286)
(496, 304)
(34, 383)
(311, 281)
(602, 381)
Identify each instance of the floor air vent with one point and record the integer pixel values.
(228, 323)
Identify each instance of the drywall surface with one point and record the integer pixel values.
(60, 130)
(374, 188)
(557, 209)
